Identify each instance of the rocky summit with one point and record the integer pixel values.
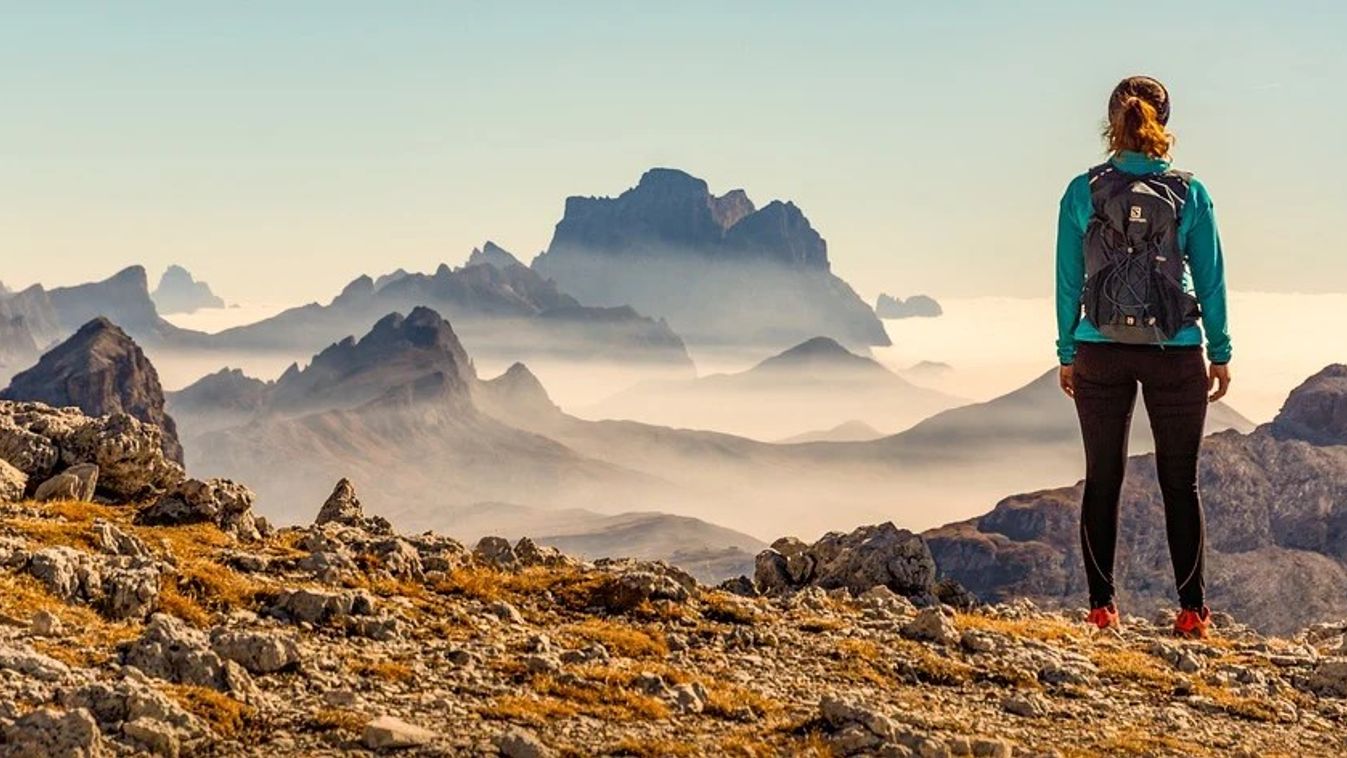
(99, 370)
(714, 266)
(175, 622)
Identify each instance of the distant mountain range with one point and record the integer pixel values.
(1276, 522)
(502, 308)
(719, 269)
(816, 384)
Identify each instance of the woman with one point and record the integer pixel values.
(1139, 276)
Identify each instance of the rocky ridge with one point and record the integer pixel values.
(175, 622)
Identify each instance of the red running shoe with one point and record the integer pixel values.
(1193, 624)
(1103, 617)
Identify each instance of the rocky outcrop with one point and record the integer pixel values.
(42, 441)
(917, 306)
(708, 264)
(1276, 512)
(873, 556)
(178, 292)
(101, 371)
(226, 504)
(1316, 411)
(123, 299)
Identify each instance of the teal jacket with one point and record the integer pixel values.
(1201, 245)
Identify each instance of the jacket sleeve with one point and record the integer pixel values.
(1207, 264)
(1070, 265)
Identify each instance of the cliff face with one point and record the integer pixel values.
(713, 266)
(101, 371)
(1276, 515)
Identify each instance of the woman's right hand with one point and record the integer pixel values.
(1066, 376)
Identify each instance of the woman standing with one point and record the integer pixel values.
(1139, 275)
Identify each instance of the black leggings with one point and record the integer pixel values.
(1174, 386)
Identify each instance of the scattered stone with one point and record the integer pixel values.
(257, 651)
(387, 732)
(1025, 704)
(51, 733)
(169, 649)
(343, 507)
(867, 557)
(75, 483)
(521, 743)
(932, 625)
(46, 624)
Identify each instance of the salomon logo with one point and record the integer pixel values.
(1136, 213)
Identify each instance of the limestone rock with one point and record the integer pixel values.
(257, 651)
(51, 733)
(13, 482)
(871, 556)
(222, 502)
(343, 507)
(521, 743)
(169, 649)
(75, 483)
(932, 625)
(387, 732)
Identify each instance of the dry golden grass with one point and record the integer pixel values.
(733, 702)
(602, 700)
(720, 606)
(1042, 629)
(1237, 705)
(527, 709)
(1133, 666)
(90, 639)
(225, 715)
(387, 671)
(928, 666)
(620, 639)
(337, 720)
(175, 602)
(859, 661)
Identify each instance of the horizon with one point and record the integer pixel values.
(322, 145)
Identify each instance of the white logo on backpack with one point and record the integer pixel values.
(1135, 214)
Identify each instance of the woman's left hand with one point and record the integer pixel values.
(1218, 378)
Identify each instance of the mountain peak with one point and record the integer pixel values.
(1316, 411)
(491, 254)
(179, 292)
(399, 351)
(99, 370)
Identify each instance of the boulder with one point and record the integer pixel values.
(75, 483)
(13, 483)
(871, 556)
(321, 607)
(51, 733)
(258, 652)
(932, 625)
(222, 502)
(67, 573)
(496, 552)
(129, 455)
(169, 649)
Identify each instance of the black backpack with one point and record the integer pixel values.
(1133, 263)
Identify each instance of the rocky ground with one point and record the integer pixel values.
(173, 621)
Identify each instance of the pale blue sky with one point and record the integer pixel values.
(278, 149)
